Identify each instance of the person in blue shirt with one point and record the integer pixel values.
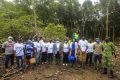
(29, 50)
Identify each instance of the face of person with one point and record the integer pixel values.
(10, 39)
(98, 41)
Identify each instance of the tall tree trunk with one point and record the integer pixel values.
(107, 18)
(34, 13)
(113, 34)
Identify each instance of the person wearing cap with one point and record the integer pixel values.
(108, 52)
(97, 53)
(19, 53)
(65, 53)
(83, 49)
(8, 47)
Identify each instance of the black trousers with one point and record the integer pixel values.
(89, 58)
(9, 58)
(65, 57)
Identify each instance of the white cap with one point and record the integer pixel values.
(10, 37)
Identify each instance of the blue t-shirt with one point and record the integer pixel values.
(29, 47)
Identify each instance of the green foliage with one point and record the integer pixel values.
(18, 19)
(53, 31)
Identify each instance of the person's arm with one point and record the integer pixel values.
(113, 50)
(4, 46)
(14, 50)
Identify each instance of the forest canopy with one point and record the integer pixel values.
(40, 17)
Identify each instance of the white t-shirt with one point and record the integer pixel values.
(35, 44)
(50, 47)
(19, 49)
(38, 47)
(41, 42)
(90, 47)
(44, 47)
(83, 45)
(66, 47)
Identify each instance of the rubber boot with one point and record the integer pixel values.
(104, 71)
(111, 74)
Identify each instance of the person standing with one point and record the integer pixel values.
(73, 52)
(29, 50)
(65, 53)
(8, 47)
(19, 52)
(83, 48)
(90, 51)
(97, 53)
(108, 52)
(57, 51)
(44, 52)
(50, 52)
(38, 52)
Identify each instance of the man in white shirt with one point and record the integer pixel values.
(50, 52)
(44, 52)
(19, 52)
(65, 53)
(83, 48)
(90, 50)
(57, 51)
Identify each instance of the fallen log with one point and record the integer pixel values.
(11, 73)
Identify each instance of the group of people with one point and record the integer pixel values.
(88, 53)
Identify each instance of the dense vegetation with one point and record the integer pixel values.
(48, 18)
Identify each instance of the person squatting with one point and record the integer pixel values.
(86, 53)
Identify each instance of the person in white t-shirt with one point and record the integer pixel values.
(44, 52)
(90, 50)
(83, 48)
(19, 51)
(65, 53)
(50, 52)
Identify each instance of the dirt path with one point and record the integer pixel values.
(54, 72)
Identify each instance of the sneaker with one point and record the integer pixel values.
(63, 64)
(66, 64)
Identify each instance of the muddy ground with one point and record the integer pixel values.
(54, 72)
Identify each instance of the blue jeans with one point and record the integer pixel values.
(18, 59)
(9, 58)
(38, 58)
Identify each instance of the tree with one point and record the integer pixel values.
(53, 31)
